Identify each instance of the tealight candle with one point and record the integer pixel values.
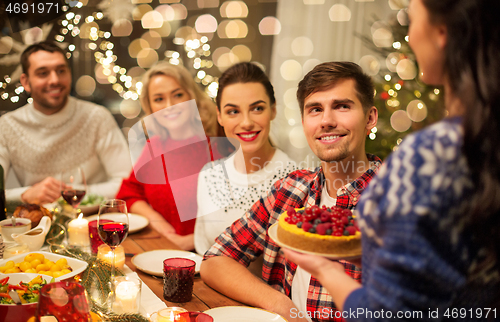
(170, 314)
(15, 249)
(105, 253)
(127, 295)
(78, 231)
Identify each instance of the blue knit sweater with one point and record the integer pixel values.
(419, 259)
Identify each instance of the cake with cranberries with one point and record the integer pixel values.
(321, 230)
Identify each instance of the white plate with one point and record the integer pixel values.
(152, 262)
(243, 314)
(135, 222)
(273, 233)
(76, 265)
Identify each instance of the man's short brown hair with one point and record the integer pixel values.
(45, 46)
(326, 75)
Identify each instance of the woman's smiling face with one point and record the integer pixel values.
(246, 114)
(164, 94)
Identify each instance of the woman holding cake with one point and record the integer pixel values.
(245, 108)
(430, 221)
(178, 116)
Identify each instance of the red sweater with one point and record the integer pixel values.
(166, 177)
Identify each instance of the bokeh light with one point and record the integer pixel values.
(6, 43)
(291, 70)
(339, 12)
(269, 26)
(241, 53)
(416, 110)
(400, 121)
(140, 11)
(382, 37)
(180, 11)
(147, 57)
(130, 108)
(309, 65)
(297, 137)
(406, 69)
(152, 19)
(392, 61)
(302, 46)
(166, 11)
(314, 2)
(85, 86)
(402, 17)
(121, 28)
(290, 99)
(370, 65)
(153, 38)
(136, 46)
(206, 23)
(232, 29)
(234, 9)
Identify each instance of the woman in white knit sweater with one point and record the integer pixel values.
(229, 187)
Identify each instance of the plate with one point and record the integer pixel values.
(135, 222)
(243, 314)
(273, 233)
(152, 262)
(77, 265)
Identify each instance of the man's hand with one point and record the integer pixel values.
(45, 191)
(285, 307)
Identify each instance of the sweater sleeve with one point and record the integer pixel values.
(410, 219)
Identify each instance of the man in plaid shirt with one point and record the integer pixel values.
(336, 103)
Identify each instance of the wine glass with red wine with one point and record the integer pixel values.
(113, 232)
(73, 187)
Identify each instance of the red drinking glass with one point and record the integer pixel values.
(66, 301)
(178, 279)
(95, 239)
(194, 317)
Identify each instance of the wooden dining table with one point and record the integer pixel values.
(148, 239)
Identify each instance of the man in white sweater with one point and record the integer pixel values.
(56, 133)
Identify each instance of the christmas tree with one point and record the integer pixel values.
(404, 103)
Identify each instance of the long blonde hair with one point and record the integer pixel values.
(206, 106)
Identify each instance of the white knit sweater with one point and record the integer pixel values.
(82, 134)
(223, 199)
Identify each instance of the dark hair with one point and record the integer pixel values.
(244, 73)
(45, 46)
(328, 74)
(472, 67)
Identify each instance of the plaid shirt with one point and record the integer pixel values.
(247, 238)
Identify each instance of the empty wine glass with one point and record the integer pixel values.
(73, 187)
(113, 232)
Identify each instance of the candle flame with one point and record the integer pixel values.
(80, 216)
(172, 316)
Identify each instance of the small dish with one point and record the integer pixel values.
(243, 314)
(76, 265)
(152, 262)
(273, 234)
(135, 222)
(21, 312)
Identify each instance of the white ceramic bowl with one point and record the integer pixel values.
(24, 311)
(76, 265)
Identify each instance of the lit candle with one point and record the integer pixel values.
(128, 295)
(78, 230)
(169, 314)
(105, 253)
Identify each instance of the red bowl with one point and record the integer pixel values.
(20, 313)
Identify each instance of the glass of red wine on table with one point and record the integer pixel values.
(73, 187)
(113, 232)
